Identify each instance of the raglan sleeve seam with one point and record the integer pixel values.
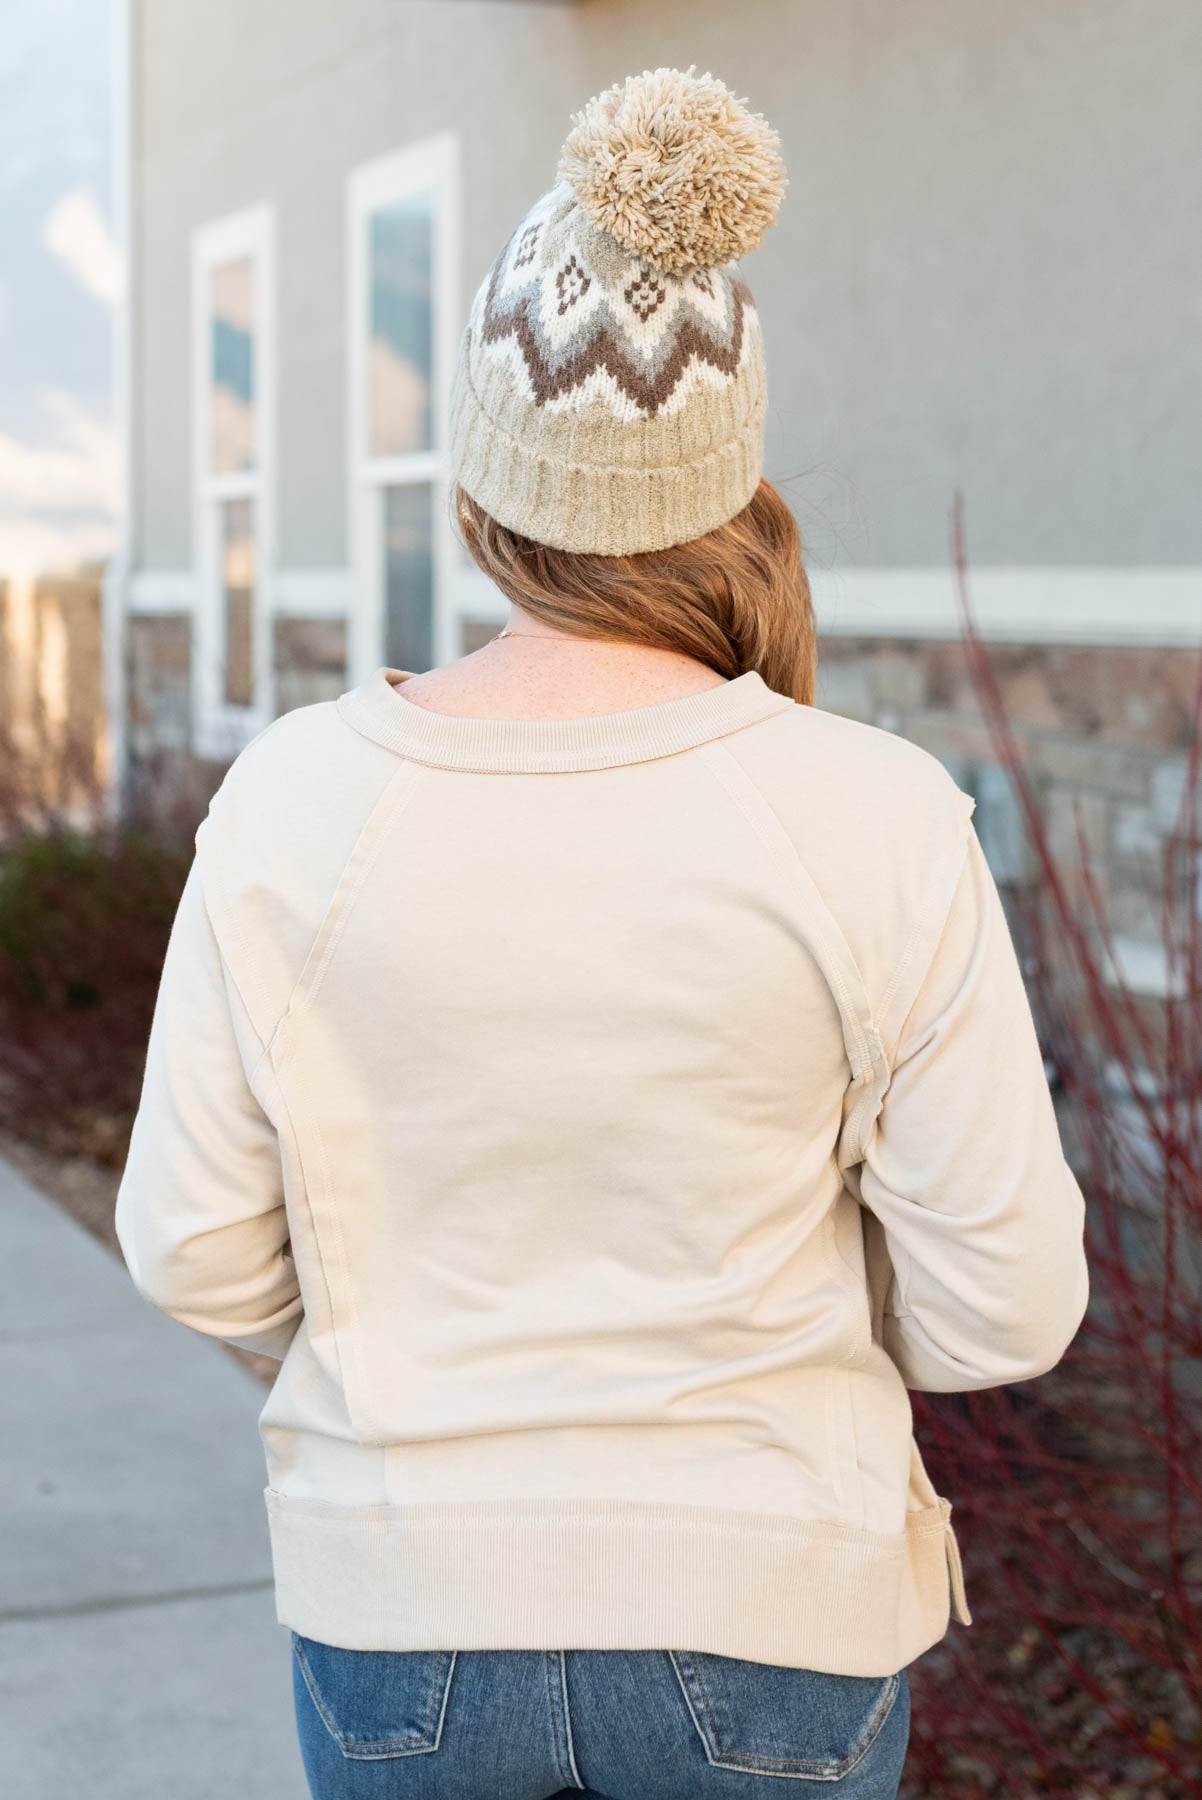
(252, 996)
(925, 930)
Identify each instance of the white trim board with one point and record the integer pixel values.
(312, 593)
(427, 163)
(1105, 606)
(162, 591)
(218, 726)
(298, 593)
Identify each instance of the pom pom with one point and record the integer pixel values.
(675, 167)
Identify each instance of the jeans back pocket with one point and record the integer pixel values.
(377, 1703)
(765, 1719)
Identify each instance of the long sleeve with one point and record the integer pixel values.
(983, 1220)
(200, 1209)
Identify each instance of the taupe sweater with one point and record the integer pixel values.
(605, 1120)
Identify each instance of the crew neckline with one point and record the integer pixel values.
(590, 741)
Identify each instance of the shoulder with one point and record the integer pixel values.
(277, 836)
(305, 764)
(872, 778)
(304, 737)
(877, 820)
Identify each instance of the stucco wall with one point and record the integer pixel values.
(270, 101)
(985, 276)
(987, 270)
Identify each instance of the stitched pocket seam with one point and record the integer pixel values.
(368, 1750)
(702, 1710)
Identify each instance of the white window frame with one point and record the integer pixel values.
(219, 729)
(431, 162)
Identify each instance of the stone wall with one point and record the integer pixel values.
(1104, 733)
(158, 674)
(310, 665)
(310, 661)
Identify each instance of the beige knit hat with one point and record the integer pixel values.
(610, 388)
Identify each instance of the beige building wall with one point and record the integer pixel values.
(985, 275)
(238, 104)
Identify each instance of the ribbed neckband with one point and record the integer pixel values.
(599, 741)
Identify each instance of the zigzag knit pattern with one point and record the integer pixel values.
(592, 325)
(601, 403)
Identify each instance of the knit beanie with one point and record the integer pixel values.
(610, 390)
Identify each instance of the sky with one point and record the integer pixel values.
(60, 278)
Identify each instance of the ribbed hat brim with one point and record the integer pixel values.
(604, 510)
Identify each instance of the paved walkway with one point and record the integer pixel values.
(139, 1651)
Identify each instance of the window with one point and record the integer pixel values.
(238, 590)
(403, 326)
(400, 251)
(409, 575)
(232, 400)
(232, 368)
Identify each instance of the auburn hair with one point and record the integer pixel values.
(736, 599)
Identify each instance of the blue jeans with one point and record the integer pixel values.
(613, 1724)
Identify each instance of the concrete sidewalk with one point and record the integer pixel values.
(139, 1652)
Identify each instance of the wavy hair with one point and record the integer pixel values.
(736, 599)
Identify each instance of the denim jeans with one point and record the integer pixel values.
(613, 1724)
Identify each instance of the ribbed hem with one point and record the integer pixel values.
(614, 1575)
(597, 741)
(601, 509)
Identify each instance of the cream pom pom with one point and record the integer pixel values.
(675, 167)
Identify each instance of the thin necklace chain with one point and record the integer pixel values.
(545, 635)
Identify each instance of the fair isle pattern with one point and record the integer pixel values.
(600, 404)
(592, 326)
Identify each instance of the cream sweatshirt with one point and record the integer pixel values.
(605, 1121)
